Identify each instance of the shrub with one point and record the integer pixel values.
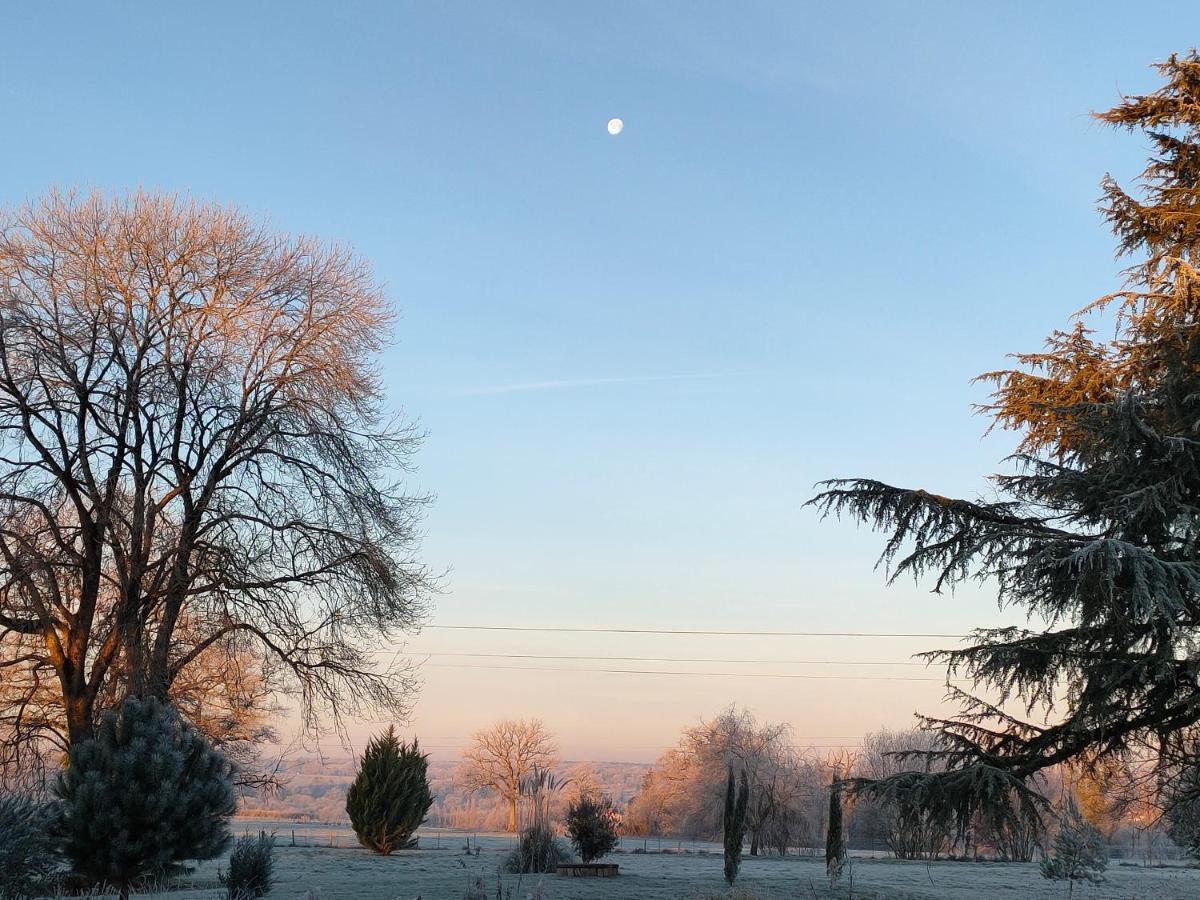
(1079, 853)
(390, 795)
(146, 793)
(591, 825)
(538, 851)
(250, 867)
(28, 857)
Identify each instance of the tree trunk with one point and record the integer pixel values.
(512, 815)
(79, 718)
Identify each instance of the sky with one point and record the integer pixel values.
(634, 355)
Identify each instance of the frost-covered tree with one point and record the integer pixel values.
(909, 830)
(143, 795)
(1078, 853)
(685, 791)
(500, 758)
(390, 796)
(1094, 529)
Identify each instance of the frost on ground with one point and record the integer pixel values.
(446, 874)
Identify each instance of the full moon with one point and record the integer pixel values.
(615, 126)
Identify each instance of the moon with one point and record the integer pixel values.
(615, 126)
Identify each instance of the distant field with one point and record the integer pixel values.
(444, 874)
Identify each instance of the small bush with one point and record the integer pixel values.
(28, 857)
(591, 825)
(250, 866)
(1079, 853)
(539, 851)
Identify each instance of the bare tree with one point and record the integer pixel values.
(500, 757)
(908, 830)
(193, 450)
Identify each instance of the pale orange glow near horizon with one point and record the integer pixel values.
(624, 717)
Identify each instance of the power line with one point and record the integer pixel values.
(852, 634)
(665, 672)
(782, 662)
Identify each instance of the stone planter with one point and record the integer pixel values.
(588, 870)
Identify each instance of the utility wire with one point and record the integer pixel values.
(851, 634)
(706, 659)
(665, 672)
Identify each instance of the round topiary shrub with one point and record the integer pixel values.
(390, 795)
(592, 827)
(145, 794)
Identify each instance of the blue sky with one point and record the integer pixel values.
(635, 355)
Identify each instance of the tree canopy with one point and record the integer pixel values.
(194, 458)
(1094, 528)
(502, 756)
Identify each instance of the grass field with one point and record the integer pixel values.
(445, 874)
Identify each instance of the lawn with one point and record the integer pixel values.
(445, 874)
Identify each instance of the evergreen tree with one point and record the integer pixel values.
(835, 836)
(734, 823)
(591, 825)
(390, 795)
(1079, 853)
(145, 794)
(1094, 529)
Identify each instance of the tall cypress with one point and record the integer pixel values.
(835, 837)
(1094, 530)
(737, 802)
(390, 795)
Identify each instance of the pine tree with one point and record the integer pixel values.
(29, 858)
(1094, 530)
(734, 823)
(145, 794)
(390, 795)
(835, 837)
(1079, 853)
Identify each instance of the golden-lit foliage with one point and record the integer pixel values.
(1073, 370)
(1158, 309)
(1096, 794)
